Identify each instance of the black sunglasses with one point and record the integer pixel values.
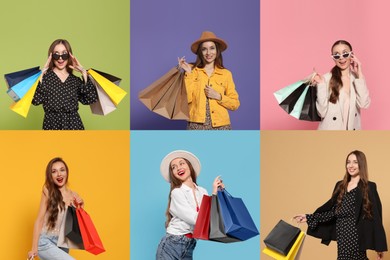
(57, 56)
(344, 55)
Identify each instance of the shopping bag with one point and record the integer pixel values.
(298, 99)
(115, 93)
(72, 229)
(20, 82)
(23, 105)
(309, 109)
(167, 96)
(294, 252)
(236, 217)
(282, 237)
(63, 240)
(202, 225)
(104, 105)
(91, 240)
(217, 228)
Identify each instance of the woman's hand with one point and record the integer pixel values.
(317, 79)
(379, 255)
(77, 201)
(356, 66)
(32, 254)
(45, 67)
(78, 67)
(301, 218)
(212, 93)
(217, 184)
(184, 65)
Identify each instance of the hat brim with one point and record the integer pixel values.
(222, 43)
(165, 163)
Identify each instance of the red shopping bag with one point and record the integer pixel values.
(202, 225)
(91, 239)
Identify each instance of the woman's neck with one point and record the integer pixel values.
(188, 182)
(345, 73)
(61, 71)
(355, 179)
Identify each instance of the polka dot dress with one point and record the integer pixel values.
(346, 229)
(60, 101)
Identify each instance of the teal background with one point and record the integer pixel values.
(235, 155)
(99, 33)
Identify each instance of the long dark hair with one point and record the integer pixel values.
(336, 83)
(363, 183)
(54, 197)
(176, 183)
(67, 47)
(200, 61)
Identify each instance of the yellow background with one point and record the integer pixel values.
(98, 170)
(300, 168)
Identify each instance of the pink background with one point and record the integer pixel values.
(296, 36)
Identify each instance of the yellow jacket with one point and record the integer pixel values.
(222, 81)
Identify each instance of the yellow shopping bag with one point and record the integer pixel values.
(115, 93)
(23, 105)
(292, 254)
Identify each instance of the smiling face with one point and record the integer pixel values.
(209, 52)
(339, 51)
(59, 174)
(180, 169)
(60, 49)
(352, 165)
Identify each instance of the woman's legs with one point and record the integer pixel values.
(48, 249)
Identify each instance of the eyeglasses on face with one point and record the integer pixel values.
(57, 56)
(339, 56)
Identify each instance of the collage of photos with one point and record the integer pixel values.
(98, 109)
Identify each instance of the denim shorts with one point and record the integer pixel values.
(48, 249)
(173, 247)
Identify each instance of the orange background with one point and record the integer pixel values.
(98, 170)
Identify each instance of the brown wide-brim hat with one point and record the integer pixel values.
(208, 36)
(166, 162)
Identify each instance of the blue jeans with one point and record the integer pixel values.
(48, 249)
(173, 247)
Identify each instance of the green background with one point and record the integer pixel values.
(99, 33)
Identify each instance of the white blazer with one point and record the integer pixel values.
(331, 114)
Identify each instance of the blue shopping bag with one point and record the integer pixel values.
(236, 218)
(20, 82)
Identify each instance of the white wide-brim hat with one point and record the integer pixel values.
(166, 162)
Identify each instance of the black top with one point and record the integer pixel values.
(60, 100)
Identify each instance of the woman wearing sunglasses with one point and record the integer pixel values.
(59, 91)
(342, 92)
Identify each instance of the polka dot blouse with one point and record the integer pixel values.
(60, 100)
(346, 228)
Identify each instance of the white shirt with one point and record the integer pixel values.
(183, 209)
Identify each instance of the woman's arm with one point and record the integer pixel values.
(229, 99)
(181, 208)
(38, 224)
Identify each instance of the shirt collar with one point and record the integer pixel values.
(186, 188)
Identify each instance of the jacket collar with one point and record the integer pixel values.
(216, 71)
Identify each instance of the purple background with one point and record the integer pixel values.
(161, 31)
